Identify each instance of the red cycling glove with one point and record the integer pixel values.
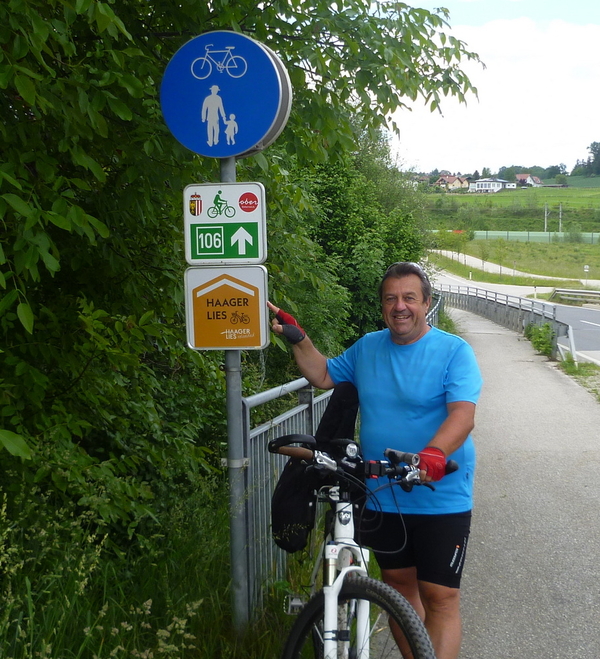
(291, 328)
(433, 461)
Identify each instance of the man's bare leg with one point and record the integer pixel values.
(438, 606)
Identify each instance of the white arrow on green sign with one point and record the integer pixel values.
(225, 224)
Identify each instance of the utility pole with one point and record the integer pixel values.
(560, 218)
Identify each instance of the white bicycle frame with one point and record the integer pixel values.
(342, 555)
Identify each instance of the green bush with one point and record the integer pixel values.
(541, 337)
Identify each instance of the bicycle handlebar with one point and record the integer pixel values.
(395, 457)
(298, 452)
(399, 464)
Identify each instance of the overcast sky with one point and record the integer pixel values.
(539, 95)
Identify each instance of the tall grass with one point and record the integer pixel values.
(66, 593)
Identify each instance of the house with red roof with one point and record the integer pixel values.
(529, 180)
(452, 182)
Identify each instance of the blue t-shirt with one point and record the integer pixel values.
(403, 392)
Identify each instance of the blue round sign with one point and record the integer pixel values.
(222, 94)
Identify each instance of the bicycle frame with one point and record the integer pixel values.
(336, 622)
(342, 555)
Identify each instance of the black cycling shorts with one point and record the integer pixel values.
(435, 544)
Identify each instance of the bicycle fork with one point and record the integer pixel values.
(343, 556)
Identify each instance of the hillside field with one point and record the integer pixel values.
(518, 210)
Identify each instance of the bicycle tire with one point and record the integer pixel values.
(305, 639)
(236, 66)
(212, 212)
(229, 211)
(205, 71)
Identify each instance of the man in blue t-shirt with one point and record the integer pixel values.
(417, 388)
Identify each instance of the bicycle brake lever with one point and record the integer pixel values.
(323, 460)
(408, 486)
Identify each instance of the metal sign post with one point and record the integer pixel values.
(238, 523)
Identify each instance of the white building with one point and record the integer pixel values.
(491, 185)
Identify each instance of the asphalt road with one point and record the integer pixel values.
(531, 586)
(585, 321)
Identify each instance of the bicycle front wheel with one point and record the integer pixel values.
(236, 66)
(388, 609)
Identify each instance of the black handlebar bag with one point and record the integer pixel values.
(294, 501)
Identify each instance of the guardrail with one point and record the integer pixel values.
(510, 311)
(576, 295)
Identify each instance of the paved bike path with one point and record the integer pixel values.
(531, 586)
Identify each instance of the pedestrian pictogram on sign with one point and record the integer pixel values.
(226, 308)
(225, 223)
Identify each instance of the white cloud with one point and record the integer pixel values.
(538, 101)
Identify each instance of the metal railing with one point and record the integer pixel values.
(576, 295)
(510, 311)
(266, 563)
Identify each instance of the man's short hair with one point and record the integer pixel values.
(404, 268)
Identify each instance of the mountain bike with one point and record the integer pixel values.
(352, 616)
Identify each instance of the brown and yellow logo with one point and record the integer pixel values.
(226, 314)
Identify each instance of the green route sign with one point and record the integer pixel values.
(225, 224)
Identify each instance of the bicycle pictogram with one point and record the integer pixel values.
(235, 65)
(223, 209)
(239, 318)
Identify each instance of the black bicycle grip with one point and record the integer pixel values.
(287, 440)
(396, 457)
(451, 467)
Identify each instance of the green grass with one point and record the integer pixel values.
(518, 210)
(491, 278)
(586, 374)
(554, 259)
(575, 197)
(581, 182)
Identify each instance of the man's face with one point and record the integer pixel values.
(404, 309)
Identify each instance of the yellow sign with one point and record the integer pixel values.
(227, 308)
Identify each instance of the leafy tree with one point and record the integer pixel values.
(484, 252)
(486, 172)
(500, 251)
(594, 149)
(561, 179)
(554, 170)
(579, 169)
(589, 166)
(507, 173)
(366, 216)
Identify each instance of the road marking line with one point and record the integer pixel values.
(587, 322)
